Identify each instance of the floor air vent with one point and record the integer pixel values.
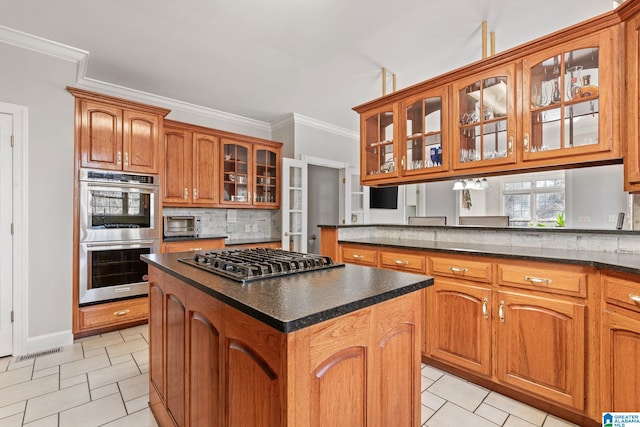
(38, 354)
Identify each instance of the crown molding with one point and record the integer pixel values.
(324, 126)
(81, 58)
(48, 47)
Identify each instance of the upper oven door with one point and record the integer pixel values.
(118, 211)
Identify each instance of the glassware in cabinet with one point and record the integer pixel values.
(235, 180)
(564, 101)
(426, 143)
(379, 144)
(266, 176)
(486, 117)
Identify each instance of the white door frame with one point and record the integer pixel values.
(20, 229)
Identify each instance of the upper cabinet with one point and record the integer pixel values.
(568, 102)
(632, 96)
(250, 173)
(189, 177)
(117, 134)
(554, 102)
(484, 107)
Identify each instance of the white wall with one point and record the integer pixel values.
(38, 82)
(324, 190)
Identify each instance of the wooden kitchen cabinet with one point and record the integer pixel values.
(540, 346)
(192, 245)
(570, 101)
(117, 134)
(359, 254)
(620, 346)
(379, 144)
(250, 173)
(212, 365)
(460, 325)
(632, 96)
(485, 113)
(190, 176)
(111, 315)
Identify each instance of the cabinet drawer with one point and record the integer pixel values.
(476, 271)
(622, 292)
(360, 255)
(114, 313)
(403, 261)
(556, 278)
(192, 245)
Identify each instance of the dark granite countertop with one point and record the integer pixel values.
(294, 302)
(624, 262)
(255, 241)
(477, 227)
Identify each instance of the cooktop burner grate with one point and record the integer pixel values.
(247, 265)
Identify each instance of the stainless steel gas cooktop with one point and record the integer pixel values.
(248, 265)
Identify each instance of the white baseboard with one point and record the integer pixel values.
(44, 342)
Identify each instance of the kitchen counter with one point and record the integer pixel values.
(337, 346)
(629, 263)
(293, 302)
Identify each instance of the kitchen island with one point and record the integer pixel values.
(339, 346)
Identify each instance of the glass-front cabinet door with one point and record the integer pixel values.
(380, 153)
(236, 157)
(564, 100)
(426, 145)
(484, 107)
(266, 179)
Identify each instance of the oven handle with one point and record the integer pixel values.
(122, 186)
(128, 243)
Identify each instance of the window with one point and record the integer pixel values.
(533, 199)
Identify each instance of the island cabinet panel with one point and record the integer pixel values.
(460, 325)
(213, 365)
(541, 346)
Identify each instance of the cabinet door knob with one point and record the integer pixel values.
(501, 311)
(126, 158)
(119, 158)
(510, 145)
(526, 142)
(485, 309)
(195, 194)
(186, 193)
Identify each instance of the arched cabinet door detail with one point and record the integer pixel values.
(204, 381)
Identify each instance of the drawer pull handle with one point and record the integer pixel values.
(401, 262)
(485, 310)
(357, 256)
(501, 311)
(458, 269)
(195, 249)
(634, 297)
(538, 280)
(121, 312)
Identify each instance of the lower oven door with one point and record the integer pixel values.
(113, 270)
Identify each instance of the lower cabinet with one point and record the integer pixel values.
(620, 349)
(540, 346)
(459, 326)
(115, 314)
(192, 245)
(211, 365)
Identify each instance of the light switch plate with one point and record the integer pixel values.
(584, 218)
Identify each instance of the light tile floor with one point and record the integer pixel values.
(103, 381)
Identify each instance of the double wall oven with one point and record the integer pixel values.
(119, 221)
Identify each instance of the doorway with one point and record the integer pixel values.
(323, 200)
(6, 236)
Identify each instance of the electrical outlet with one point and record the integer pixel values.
(255, 228)
(584, 218)
(247, 228)
(613, 218)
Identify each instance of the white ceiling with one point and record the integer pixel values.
(265, 59)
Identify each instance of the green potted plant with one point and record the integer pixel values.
(560, 220)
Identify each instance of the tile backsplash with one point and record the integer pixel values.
(236, 224)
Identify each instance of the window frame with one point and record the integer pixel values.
(533, 191)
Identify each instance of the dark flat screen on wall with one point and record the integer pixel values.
(383, 197)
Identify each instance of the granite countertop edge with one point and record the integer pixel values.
(228, 242)
(616, 261)
(189, 276)
(565, 230)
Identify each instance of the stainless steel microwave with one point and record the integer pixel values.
(183, 225)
